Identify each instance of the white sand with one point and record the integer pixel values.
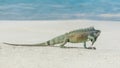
(107, 54)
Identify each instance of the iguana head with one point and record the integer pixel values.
(94, 35)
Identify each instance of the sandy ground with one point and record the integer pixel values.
(107, 54)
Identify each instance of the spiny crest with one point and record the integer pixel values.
(84, 29)
(88, 29)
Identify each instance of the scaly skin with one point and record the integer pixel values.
(76, 36)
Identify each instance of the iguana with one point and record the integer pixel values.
(76, 36)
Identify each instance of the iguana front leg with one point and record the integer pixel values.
(92, 47)
(93, 41)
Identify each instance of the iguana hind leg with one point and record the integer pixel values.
(85, 45)
(64, 42)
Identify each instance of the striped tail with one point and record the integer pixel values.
(40, 44)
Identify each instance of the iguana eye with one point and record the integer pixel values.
(91, 40)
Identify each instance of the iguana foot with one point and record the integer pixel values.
(62, 46)
(94, 48)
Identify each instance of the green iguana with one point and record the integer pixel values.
(76, 36)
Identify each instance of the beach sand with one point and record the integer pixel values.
(107, 54)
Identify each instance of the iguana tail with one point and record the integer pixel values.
(40, 44)
(47, 43)
(56, 40)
